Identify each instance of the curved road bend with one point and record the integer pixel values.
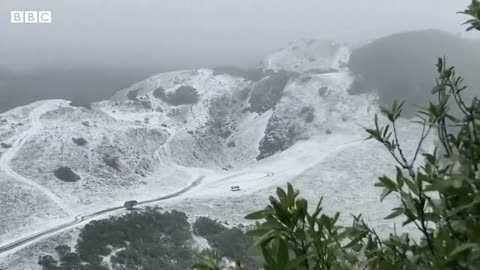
(79, 219)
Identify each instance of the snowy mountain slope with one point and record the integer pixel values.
(24, 207)
(297, 123)
(309, 56)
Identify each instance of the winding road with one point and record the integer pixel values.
(88, 217)
(5, 161)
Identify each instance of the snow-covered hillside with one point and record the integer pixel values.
(310, 56)
(296, 123)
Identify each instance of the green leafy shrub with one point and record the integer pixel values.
(66, 174)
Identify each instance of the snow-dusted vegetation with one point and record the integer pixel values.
(200, 132)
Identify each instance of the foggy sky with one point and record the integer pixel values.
(201, 33)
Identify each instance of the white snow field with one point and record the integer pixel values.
(157, 137)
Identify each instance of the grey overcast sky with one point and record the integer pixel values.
(187, 33)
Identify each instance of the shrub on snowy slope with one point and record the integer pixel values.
(79, 141)
(159, 93)
(268, 91)
(280, 134)
(66, 174)
(222, 115)
(183, 95)
(285, 127)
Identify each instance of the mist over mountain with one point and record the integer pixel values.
(402, 66)
(81, 85)
(398, 66)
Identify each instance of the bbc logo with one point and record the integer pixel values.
(31, 16)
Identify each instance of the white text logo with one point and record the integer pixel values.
(31, 16)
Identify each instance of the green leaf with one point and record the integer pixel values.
(302, 205)
(300, 235)
(268, 256)
(282, 254)
(257, 215)
(385, 194)
(295, 263)
(283, 197)
(396, 212)
(355, 240)
(265, 239)
(438, 88)
(259, 232)
(386, 183)
(400, 177)
(408, 221)
(463, 247)
(431, 217)
(411, 185)
(291, 194)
